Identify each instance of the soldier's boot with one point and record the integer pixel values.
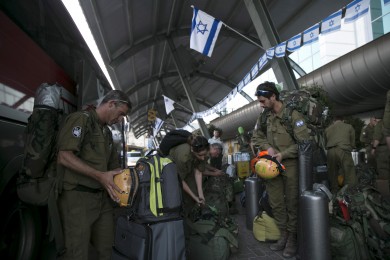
(291, 246)
(281, 243)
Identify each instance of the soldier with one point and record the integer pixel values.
(89, 160)
(216, 139)
(283, 189)
(340, 140)
(366, 138)
(380, 151)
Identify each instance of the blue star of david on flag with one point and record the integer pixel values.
(311, 35)
(204, 32)
(356, 9)
(331, 23)
(294, 43)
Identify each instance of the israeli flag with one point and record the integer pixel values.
(263, 60)
(280, 50)
(168, 104)
(311, 34)
(157, 125)
(270, 53)
(331, 23)
(294, 43)
(204, 32)
(385, 2)
(356, 9)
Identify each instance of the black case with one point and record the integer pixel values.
(132, 240)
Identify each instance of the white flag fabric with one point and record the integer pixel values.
(294, 43)
(168, 104)
(270, 53)
(311, 35)
(385, 2)
(280, 50)
(331, 23)
(263, 60)
(157, 125)
(356, 9)
(204, 32)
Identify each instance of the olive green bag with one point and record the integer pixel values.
(265, 228)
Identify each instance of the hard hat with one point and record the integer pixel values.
(128, 182)
(268, 167)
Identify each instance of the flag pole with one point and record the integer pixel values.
(234, 30)
(230, 28)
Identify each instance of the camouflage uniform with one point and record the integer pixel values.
(85, 207)
(186, 163)
(381, 152)
(283, 189)
(366, 138)
(340, 140)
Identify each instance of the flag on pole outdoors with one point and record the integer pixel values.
(311, 35)
(157, 125)
(294, 43)
(168, 104)
(270, 53)
(356, 9)
(331, 23)
(204, 32)
(280, 50)
(385, 2)
(263, 60)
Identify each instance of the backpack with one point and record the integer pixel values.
(366, 206)
(210, 236)
(347, 240)
(159, 196)
(313, 104)
(172, 139)
(39, 182)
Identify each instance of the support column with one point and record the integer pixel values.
(269, 37)
(187, 88)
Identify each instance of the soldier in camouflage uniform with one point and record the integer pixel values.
(283, 189)
(340, 140)
(366, 138)
(89, 160)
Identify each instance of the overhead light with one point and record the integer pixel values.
(79, 19)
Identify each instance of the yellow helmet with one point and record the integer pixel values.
(128, 182)
(268, 167)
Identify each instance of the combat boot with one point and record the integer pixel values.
(281, 243)
(291, 247)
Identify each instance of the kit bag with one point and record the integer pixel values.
(132, 240)
(365, 205)
(347, 240)
(40, 180)
(159, 196)
(172, 139)
(211, 236)
(265, 228)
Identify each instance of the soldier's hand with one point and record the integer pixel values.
(109, 185)
(271, 151)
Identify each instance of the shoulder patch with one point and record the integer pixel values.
(299, 123)
(76, 131)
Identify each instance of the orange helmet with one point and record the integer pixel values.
(128, 182)
(268, 167)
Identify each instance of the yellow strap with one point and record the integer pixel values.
(155, 196)
(152, 194)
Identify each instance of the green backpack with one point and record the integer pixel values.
(211, 236)
(367, 206)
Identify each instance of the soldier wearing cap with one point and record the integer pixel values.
(279, 143)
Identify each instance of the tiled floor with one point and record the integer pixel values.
(250, 248)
